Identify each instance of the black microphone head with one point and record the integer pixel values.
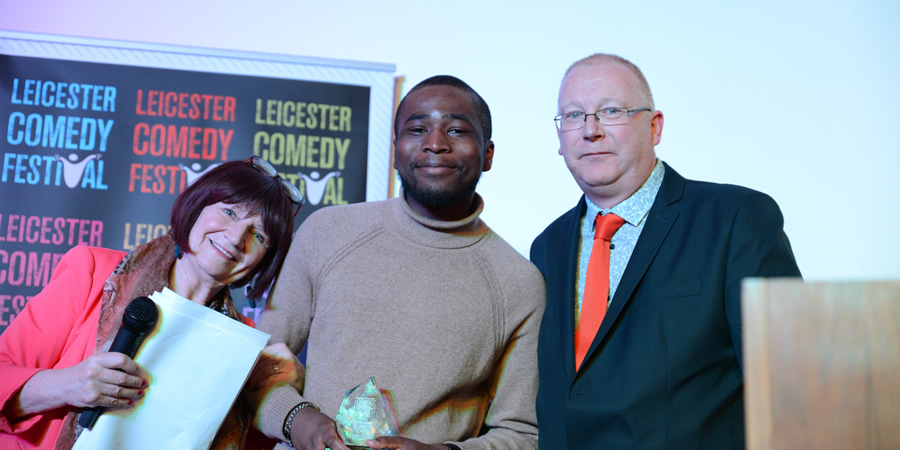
(140, 315)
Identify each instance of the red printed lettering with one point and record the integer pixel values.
(156, 179)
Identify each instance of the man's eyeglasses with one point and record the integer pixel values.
(607, 116)
(292, 192)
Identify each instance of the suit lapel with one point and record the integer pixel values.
(568, 272)
(660, 219)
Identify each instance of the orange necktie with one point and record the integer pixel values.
(596, 285)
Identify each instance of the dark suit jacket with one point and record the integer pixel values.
(664, 370)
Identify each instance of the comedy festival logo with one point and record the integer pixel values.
(62, 115)
(196, 171)
(73, 169)
(315, 185)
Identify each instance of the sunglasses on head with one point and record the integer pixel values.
(292, 192)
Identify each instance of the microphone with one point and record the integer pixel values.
(140, 316)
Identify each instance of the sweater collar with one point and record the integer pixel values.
(437, 233)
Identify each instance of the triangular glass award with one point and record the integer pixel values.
(365, 415)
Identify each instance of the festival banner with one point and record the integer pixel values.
(100, 137)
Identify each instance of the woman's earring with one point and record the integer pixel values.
(178, 252)
(247, 289)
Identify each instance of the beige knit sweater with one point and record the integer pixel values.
(444, 315)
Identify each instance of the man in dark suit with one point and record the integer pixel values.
(664, 367)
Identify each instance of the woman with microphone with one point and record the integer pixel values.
(231, 226)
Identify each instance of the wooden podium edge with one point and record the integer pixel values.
(756, 362)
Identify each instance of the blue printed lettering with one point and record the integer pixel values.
(69, 132)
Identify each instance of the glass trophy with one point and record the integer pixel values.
(365, 415)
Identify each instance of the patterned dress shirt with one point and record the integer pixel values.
(634, 210)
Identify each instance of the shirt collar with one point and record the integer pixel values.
(633, 209)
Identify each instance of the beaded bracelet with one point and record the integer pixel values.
(289, 420)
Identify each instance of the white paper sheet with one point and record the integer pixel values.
(198, 360)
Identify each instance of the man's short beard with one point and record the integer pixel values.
(433, 198)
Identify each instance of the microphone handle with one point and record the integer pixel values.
(125, 342)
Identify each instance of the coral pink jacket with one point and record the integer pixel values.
(56, 329)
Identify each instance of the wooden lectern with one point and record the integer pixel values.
(821, 364)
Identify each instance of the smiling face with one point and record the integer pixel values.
(226, 244)
(440, 151)
(609, 162)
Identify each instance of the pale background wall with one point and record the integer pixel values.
(795, 99)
